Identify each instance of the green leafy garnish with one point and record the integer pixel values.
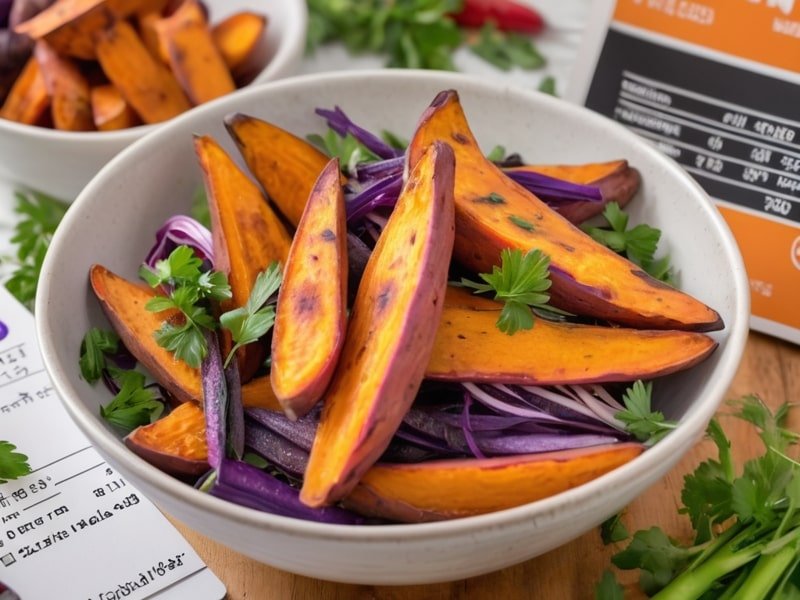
(521, 282)
(200, 210)
(134, 405)
(252, 321)
(548, 85)
(613, 530)
(506, 50)
(95, 345)
(190, 288)
(520, 222)
(608, 588)
(347, 149)
(394, 140)
(256, 460)
(40, 215)
(639, 243)
(640, 420)
(13, 465)
(496, 154)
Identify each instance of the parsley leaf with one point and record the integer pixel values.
(640, 420)
(506, 50)
(13, 465)
(252, 321)
(613, 530)
(134, 405)
(39, 216)
(347, 149)
(95, 345)
(548, 85)
(608, 588)
(659, 557)
(521, 281)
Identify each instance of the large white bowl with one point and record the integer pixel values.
(113, 222)
(60, 163)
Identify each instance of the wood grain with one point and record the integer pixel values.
(770, 368)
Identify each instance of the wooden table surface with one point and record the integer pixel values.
(770, 368)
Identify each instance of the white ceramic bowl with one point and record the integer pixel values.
(113, 222)
(60, 163)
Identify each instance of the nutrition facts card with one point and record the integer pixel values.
(715, 84)
(74, 528)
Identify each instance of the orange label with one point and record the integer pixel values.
(771, 252)
(766, 31)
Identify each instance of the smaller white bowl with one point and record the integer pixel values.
(61, 163)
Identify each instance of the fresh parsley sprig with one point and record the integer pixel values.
(347, 149)
(253, 320)
(638, 244)
(521, 282)
(506, 50)
(13, 465)
(39, 216)
(94, 347)
(134, 405)
(190, 289)
(640, 419)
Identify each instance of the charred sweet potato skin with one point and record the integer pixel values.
(284, 165)
(446, 489)
(248, 236)
(311, 313)
(123, 303)
(469, 347)
(390, 333)
(588, 279)
(176, 444)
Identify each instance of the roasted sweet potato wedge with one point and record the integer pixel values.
(284, 165)
(311, 314)
(192, 55)
(242, 41)
(70, 103)
(257, 393)
(390, 333)
(618, 182)
(469, 347)
(28, 99)
(248, 236)
(123, 303)
(68, 25)
(145, 83)
(450, 489)
(588, 279)
(110, 111)
(176, 444)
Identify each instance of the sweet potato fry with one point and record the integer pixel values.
(469, 347)
(28, 99)
(69, 25)
(146, 84)
(448, 489)
(588, 278)
(242, 41)
(284, 165)
(192, 55)
(148, 31)
(390, 333)
(68, 89)
(110, 110)
(248, 236)
(312, 304)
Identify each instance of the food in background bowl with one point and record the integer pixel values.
(543, 131)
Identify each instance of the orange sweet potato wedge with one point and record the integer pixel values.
(588, 278)
(69, 91)
(311, 314)
(390, 334)
(123, 303)
(145, 83)
(147, 24)
(618, 182)
(69, 25)
(176, 443)
(28, 99)
(450, 489)
(248, 236)
(469, 347)
(110, 111)
(192, 54)
(285, 165)
(242, 41)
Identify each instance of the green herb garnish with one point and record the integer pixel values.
(13, 465)
(613, 530)
(521, 282)
(548, 85)
(190, 290)
(640, 419)
(95, 345)
(506, 50)
(608, 588)
(200, 210)
(492, 198)
(347, 149)
(252, 321)
(134, 405)
(520, 222)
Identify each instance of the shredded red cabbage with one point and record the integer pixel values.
(181, 230)
(555, 191)
(341, 124)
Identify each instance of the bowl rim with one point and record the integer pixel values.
(685, 435)
(292, 46)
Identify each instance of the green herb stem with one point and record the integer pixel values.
(768, 571)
